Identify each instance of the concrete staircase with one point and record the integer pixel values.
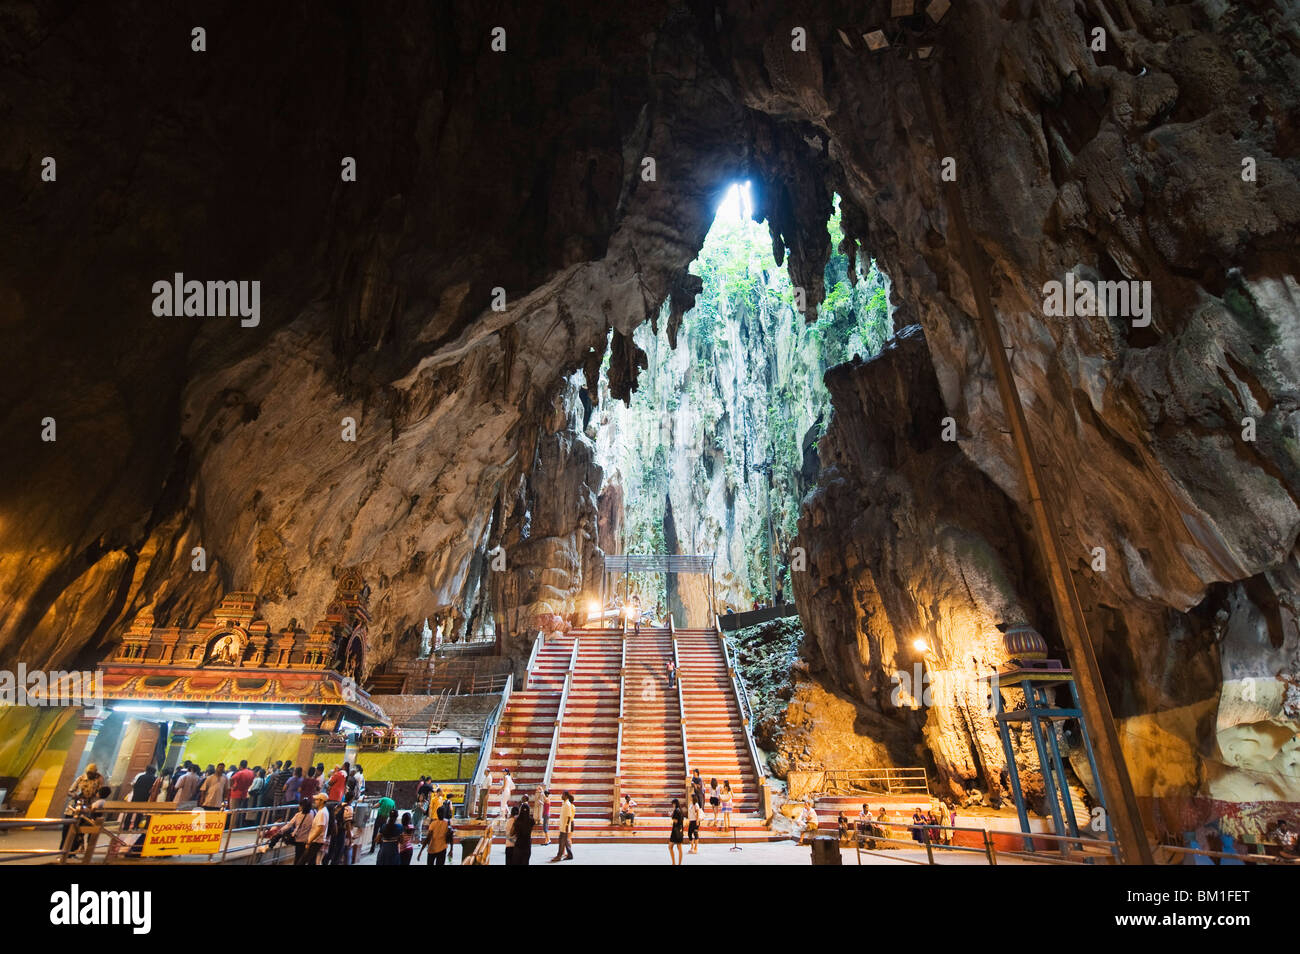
(523, 740)
(588, 736)
(564, 727)
(653, 762)
(715, 731)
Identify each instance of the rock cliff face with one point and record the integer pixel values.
(1167, 157)
(549, 556)
(710, 450)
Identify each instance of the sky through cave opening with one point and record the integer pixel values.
(718, 445)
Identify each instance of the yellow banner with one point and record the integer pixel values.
(195, 833)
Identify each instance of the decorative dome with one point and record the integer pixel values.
(1022, 641)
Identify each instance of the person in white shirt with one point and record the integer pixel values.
(298, 829)
(726, 796)
(808, 822)
(693, 825)
(862, 825)
(507, 789)
(567, 812)
(361, 785)
(626, 811)
(316, 833)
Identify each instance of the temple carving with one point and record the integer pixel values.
(232, 655)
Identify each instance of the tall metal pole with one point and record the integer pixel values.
(1126, 817)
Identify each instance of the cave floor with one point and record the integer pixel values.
(754, 853)
(762, 853)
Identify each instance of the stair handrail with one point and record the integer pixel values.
(742, 700)
(681, 711)
(487, 743)
(622, 710)
(618, 745)
(559, 715)
(538, 645)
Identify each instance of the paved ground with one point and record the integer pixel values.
(597, 853)
(764, 853)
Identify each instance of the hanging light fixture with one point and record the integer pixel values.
(241, 729)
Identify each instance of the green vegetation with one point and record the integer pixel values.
(719, 425)
(765, 655)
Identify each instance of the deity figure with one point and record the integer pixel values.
(224, 651)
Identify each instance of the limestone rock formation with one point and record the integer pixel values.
(715, 450)
(549, 554)
(913, 558)
(1168, 157)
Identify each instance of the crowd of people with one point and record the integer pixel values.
(866, 826)
(235, 787)
(325, 831)
(521, 819)
(329, 814)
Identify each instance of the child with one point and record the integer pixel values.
(726, 798)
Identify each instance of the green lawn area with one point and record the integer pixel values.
(406, 766)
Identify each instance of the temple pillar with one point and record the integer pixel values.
(308, 741)
(83, 739)
(178, 736)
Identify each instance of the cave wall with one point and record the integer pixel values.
(906, 540)
(523, 170)
(549, 550)
(1126, 164)
(476, 171)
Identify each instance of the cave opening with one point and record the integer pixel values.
(717, 446)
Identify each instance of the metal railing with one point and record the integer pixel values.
(538, 644)
(458, 677)
(622, 710)
(102, 837)
(1062, 850)
(559, 715)
(618, 744)
(486, 744)
(879, 781)
(681, 712)
(742, 700)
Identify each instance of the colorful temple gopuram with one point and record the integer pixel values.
(226, 689)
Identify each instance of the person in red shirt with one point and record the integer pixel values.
(239, 783)
(310, 785)
(337, 782)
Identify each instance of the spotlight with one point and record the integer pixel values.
(919, 645)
